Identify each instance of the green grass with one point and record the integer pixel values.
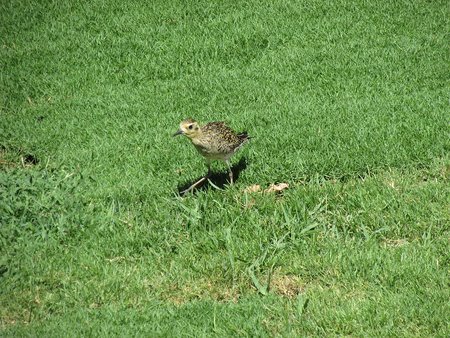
(345, 101)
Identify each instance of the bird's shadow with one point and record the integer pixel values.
(218, 179)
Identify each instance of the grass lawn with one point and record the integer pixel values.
(346, 101)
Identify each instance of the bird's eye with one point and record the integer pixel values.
(190, 126)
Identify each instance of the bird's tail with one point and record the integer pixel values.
(244, 136)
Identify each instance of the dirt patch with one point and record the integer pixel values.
(395, 243)
(201, 289)
(287, 285)
(12, 159)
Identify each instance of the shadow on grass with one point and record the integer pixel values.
(220, 179)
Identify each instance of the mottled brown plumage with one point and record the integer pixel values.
(215, 141)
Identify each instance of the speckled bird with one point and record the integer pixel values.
(214, 141)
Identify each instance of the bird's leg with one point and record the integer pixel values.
(230, 172)
(193, 186)
(208, 163)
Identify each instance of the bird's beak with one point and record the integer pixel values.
(179, 132)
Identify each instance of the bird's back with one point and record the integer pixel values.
(219, 141)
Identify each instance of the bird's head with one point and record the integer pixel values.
(189, 128)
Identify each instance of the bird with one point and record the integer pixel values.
(214, 141)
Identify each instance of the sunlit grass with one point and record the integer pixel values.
(346, 102)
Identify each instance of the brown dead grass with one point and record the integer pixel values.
(395, 243)
(288, 286)
(200, 289)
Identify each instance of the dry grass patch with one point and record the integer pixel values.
(202, 289)
(287, 285)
